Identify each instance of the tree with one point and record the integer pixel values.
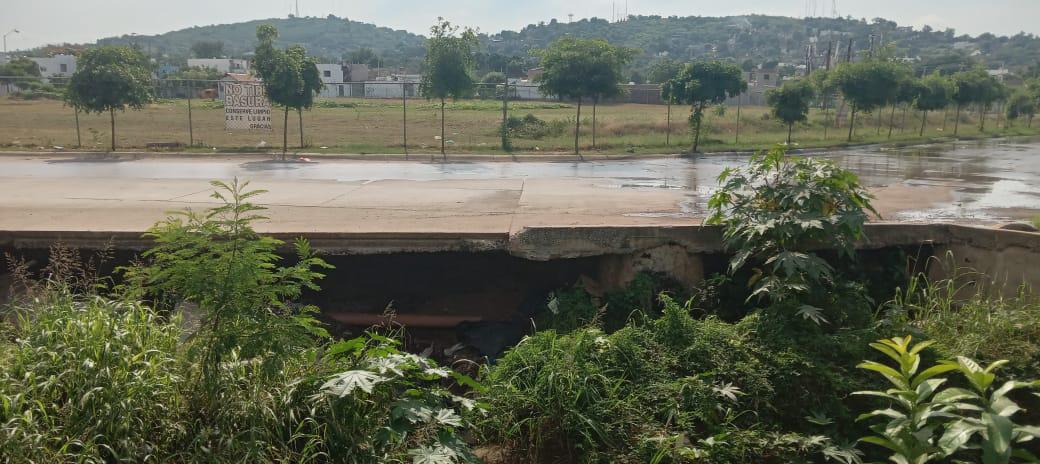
(703, 83)
(364, 55)
(790, 103)
(824, 86)
(867, 85)
(18, 71)
(974, 87)
(198, 73)
(933, 93)
(208, 49)
(582, 68)
(448, 67)
(290, 77)
(110, 78)
(663, 70)
(1022, 104)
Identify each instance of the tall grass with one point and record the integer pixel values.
(972, 314)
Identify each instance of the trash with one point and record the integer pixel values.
(305, 159)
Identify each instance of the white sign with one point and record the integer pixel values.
(246, 106)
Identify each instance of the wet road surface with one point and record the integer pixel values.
(983, 181)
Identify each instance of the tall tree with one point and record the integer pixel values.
(1022, 104)
(975, 87)
(582, 68)
(868, 85)
(290, 77)
(110, 78)
(703, 83)
(932, 93)
(790, 103)
(208, 49)
(448, 67)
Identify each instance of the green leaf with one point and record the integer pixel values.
(996, 448)
(345, 383)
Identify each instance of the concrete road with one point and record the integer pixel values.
(969, 182)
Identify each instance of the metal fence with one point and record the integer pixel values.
(181, 118)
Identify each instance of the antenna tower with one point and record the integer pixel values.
(297, 8)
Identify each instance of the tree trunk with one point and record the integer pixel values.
(879, 111)
(1030, 122)
(902, 124)
(924, 120)
(444, 156)
(957, 120)
(112, 116)
(191, 129)
(946, 116)
(285, 133)
(736, 139)
(982, 118)
(891, 121)
(790, 127)
(577, 129)
(299, 113)
(79, 138)
(698, 116)
(668, 128)
(852, 121)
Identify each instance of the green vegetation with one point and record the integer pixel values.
(290, 77)
(929, 421)
(581, 69)
(702, 84)
(448, 66)
(756, 38)
(790, 103)
(201, 351)
(109, 79)
(104, 378)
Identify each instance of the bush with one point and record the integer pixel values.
(90, 380)
(776, 213)
(532, 127)
(965, 313)
(672, 389)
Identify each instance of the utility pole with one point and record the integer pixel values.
(404, 116)
(297, 8)
(848, 53)
(830, 52)
(12, 31)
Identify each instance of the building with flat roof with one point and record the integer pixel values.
(56, 66)
(224, 65)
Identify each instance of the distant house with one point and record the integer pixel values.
(534, 73)
(763, 77)
(56, 66)
(224, 65)
(355, 72)
(331, 73)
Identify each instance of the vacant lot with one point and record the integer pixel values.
(375, 126)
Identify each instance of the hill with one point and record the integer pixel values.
(750, 40)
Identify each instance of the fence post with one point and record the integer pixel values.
(404, 116)
(191, 130)
(668, 127)
(505, 116)
(739, 98)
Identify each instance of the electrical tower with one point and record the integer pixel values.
(834, 9)
(570, 17)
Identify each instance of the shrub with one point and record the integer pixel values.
(928, 421)
(965, 313)
(671, 389)
(776, 212)
(90, 380)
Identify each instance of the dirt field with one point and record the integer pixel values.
(375, 126)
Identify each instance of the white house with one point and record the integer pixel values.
(56, 66)
(224, 65)
(330, 73)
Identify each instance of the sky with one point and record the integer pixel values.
(54, 21)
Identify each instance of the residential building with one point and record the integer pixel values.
(224, 65)
(56, 66)
(331, 73)
(355, 72)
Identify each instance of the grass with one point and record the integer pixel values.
(472, 126)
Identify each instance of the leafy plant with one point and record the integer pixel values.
(217, 262)
(928, 422)
(776, 211)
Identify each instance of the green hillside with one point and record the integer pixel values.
(744, 39)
